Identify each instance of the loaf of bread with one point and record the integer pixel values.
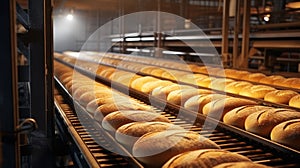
(230, 73)
(158, 72)
(289, 82)
(204, 158)
(254, 77)
(138, 83)
(94, 104)
(237, 116)
(200, 69)
(150, 86)
(218, 108)
(240, 74)
(262, 122)
(280, 96)
(173, 74)
(106, 73)
(204, 82)
(129, 133)
(191, 78)
(220, 83)
(295, 101)
(196, 103)
(237, 86)
(114, 120)
(163, 91)
(127, 79)
(87, 97)
(241, 165)
(105, 109)
(214, 70)
(148, 69)
(256, 91)
(271, 79)
(155, 148)
(179, 97)
(77, 92)
(74, 84)
(287, 133)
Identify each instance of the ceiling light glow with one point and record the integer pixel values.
(69, 17)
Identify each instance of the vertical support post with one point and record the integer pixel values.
(37, 63)
(246, 32)
(9, 142)
(235, 51)
(41, 83)
(225, 28)
(49, 69)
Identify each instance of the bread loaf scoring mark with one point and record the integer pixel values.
(241, 108)
(290, 123)
(258, 116)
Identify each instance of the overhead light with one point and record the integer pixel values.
(266, 18)
(69, 17)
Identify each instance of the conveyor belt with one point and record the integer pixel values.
(259, 149)
(87, 135)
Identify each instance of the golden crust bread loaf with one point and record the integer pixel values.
(196, 103)
(173, 74)
(179, 97)
(191, 78)
(117, 74)
(87, 97)
(295, 101)
(114, 120)
(108, 108)
(204, 158)
(158, 72)
(289, 82)
(230, 73)
(155, 148)
(220, 83)
(280, 96)
(287, 133)
(163, 92)
(204, 82)
(237, 86)
(254, 77)
(237, 116)
(218, 108)
(138, 83)
(271, 79)
(94, 104)
(150, 86)
(106, 73)
(129, 133)
(148, 69)
(201, 69)
(256, 91)
(241, 165)
(262, 122)
(240, 74)
(127, 79)
(77, 92)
